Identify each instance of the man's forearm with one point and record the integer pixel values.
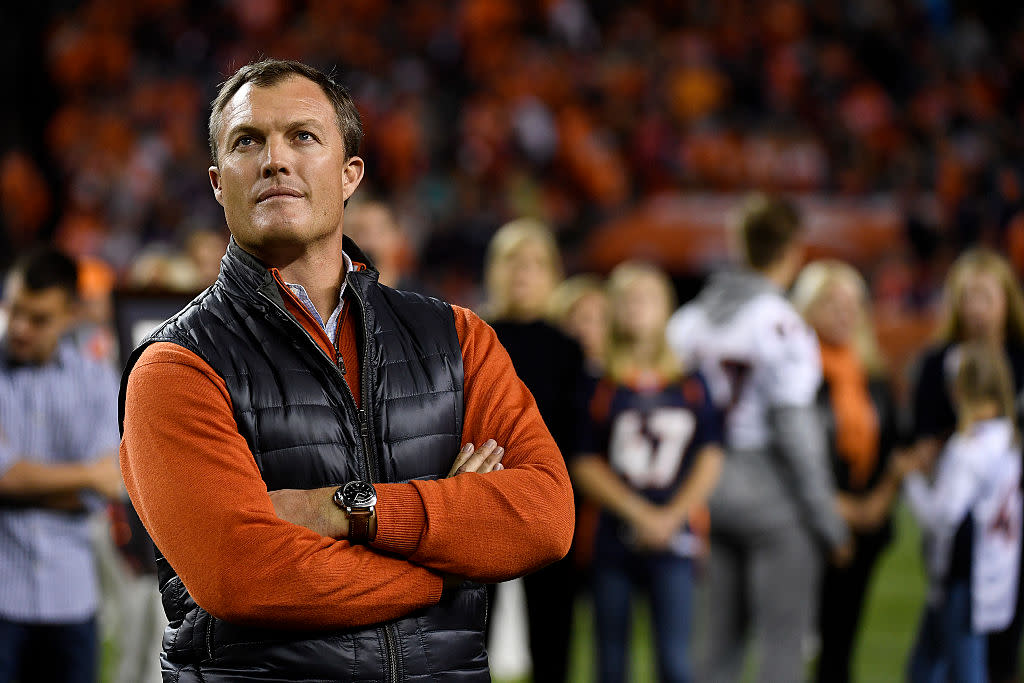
(802, 448)
(26, 480)
(486, 527)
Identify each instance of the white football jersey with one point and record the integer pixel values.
(977, 474)
(760, 356)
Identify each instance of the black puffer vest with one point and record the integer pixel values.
(295, 410)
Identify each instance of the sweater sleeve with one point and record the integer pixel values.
(198, 491)
(493, 526)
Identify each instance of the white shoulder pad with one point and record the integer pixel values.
(684, 331)
(789, 352)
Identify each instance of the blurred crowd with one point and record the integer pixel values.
(479, 111)
(672, 422)
(554, 118)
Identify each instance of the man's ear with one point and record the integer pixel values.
(351, 176)
(215, 183)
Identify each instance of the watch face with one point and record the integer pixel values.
(359, 494)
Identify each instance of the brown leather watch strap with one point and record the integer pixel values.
(359, 525)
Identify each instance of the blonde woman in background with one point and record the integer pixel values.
(579, 306)
(522, 269)
(859, 414)
(649, 455)
(984, 304)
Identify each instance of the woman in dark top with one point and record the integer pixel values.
(523, 268)
(579, 307)
(858, 411)
(984, 304)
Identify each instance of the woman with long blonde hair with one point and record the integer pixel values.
(649, 456)
(523, 267)
(984, 304)
(858, 410)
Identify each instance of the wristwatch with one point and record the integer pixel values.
(358, 499)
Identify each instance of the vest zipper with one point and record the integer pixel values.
(366, 378)
(365, 385)
(337, 365)
(391, 654)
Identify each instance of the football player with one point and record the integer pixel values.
(774, 516)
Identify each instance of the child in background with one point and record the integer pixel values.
(972, 574)
(650, 457)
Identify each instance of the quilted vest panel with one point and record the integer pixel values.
(296, 412)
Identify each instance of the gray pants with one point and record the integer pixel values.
(131, 614)
(763, 585)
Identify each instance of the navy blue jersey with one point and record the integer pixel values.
(650, 432)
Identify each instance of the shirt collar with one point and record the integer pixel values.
(300, 293)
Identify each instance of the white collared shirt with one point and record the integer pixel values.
(331, 326)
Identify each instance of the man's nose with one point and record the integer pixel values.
(276, 158)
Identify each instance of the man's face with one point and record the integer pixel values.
(36, 320)
(282, 174)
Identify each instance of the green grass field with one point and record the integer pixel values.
(890, 620)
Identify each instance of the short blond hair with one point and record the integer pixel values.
(506, 241)
(815, 279)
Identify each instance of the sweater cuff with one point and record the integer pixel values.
(401, 518)
(435, 589)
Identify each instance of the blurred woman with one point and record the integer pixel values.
(579, 305)
(859, 413)
(649, 457)
(984, 304)
(523, 267)
(977, 483)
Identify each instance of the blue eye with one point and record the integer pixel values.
(305, 136)
(244, 141)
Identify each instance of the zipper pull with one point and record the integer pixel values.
(364, 425)
(340, 362)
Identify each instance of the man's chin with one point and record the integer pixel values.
(21, 354)
(278, 241)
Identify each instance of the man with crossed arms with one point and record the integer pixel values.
(356, 406)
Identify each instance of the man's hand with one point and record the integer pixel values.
(104, 478)
(312, 509)
(487, 458)
(842, 556)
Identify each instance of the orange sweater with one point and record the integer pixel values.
(197, 489)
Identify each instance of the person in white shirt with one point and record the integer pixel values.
(977, 478)
(773, 515)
